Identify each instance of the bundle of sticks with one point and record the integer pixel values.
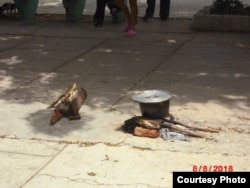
(142, 126)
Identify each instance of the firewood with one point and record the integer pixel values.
(148, 123)
(205, 129)
(68, 104)
(183, 130)
(56, 116)
(142, 126)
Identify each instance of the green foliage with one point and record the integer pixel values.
(235, 7)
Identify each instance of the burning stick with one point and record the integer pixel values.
(142, 126)
(68, 104)
(205, 129)
(183, 130)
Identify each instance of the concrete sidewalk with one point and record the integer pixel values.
(208, 74)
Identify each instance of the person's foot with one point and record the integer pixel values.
(147, 17)
(98, 23)
(164, 18)
(130, 33)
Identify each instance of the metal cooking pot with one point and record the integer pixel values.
(154, 103)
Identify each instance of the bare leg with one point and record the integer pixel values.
(122, 5)
(134, 13)
(130, 14)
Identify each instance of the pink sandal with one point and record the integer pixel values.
(130, 33)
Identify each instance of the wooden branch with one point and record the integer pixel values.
(183, 130)
(205, 129)
(148, 123)
(61, 97)
(68, 104)
(140, 123)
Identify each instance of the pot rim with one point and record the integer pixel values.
(152, 96)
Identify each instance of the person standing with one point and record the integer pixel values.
(131, 15)
(164, 9)
(100, 11)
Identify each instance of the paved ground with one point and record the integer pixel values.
(208, 74)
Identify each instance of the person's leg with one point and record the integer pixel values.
(134, 13)
(164, 9)
(150, 9)
(124, 8)
(131, 17)
(99, 12)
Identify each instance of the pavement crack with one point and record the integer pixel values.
(95, 182)
(48, 162)
(20, 43)
(77, 56)
(147, 74)
(20, 153)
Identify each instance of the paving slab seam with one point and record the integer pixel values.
(20, 153)
(178, 151)
(90, 144)
(95, 182)
(167, 57)
(152, 71)
(112, 144)
(44, 36)
(67, 142)
(44, 166)
(18, 44)
(77, 56)
(56, 68)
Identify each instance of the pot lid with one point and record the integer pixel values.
(152, 96)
